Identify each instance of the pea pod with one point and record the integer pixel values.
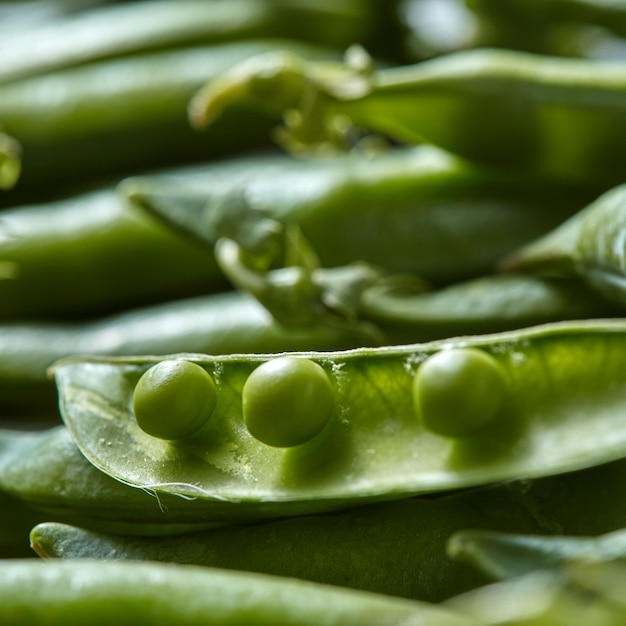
(234, 322)
(64, 258)
(114, 116)
(51, 479)
(581, 28)
(32, 592)
(10, 164)
(562, 117)
(557, 382)
(589, 245)
(502, 555)
(444, 219)
(122, 29)
(396, 548)
(586, 594)
(218, 323)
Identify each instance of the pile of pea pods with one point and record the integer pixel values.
(313, 313)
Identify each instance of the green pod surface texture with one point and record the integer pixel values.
(93, 253)
(562, 117)
(123, 29)
(46, 472)
(37, 593)
(502, 555)
(589, 245)
(396, 548)
(564, 383)
(115, 116)
(415, 210)
(221, 323)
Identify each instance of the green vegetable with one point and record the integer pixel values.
(590, 245)
(562, 117)
(564, 383)
(502, 555)
(586, 594)
(444, 219)
(287, 401)
(111, 117)
(37, 593)
(127, 28)
(65, 259)
(10, 164)
(221, 323)
(396, 548)
(459, 391)
(173, 399)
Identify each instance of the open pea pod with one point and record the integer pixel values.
(590, 244)
(563, 117)
(363, 425)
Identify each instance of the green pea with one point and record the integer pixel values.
(173, 399)
(458, 391)
(287, 401)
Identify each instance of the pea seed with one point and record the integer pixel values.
(173, 399)
(458, 391)
(287, 401)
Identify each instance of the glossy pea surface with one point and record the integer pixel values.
(287, 401)
(566, 383)
(173, 399)
(458, 391)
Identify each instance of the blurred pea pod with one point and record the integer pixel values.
(219, 324)
(390, 547)
(93, 253)
(562, 117)
(564, 25)
(587, 593)
(33, 592)
(113, 116)
(396, 548)
(421, 211)
(126, 28)
(10, 164)
(387, 433)
(501, 555)
(590, 245)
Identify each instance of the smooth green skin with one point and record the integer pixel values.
(287, 401)
(234, 322)
(459, 391)
(111, 117)
(123, 29)
(47, 474)
(174, 399)
(606, 14)
(10, 161)
(562, 117)
(443, 218)
(502, 555)
(73, 593)
(44, 472)
(487, 304)
(589, 245)
(395, 548)
(565, 384)
(221, 323)
(587, 594)
(94, 253)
